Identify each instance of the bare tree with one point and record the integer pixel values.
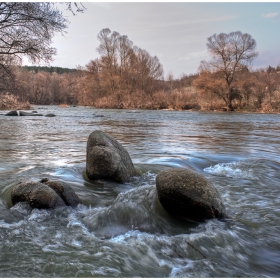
(75, 7)
(108, 49)
(147, 70)
(26, 30)
(231, 53)
(125, 49)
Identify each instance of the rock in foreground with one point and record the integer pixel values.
(189, 195)
(44, 194)
(64, 191)
(107, 159)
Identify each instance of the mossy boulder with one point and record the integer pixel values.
(189, 195)
(107, 159)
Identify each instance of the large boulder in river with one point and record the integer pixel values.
(44, 194)
(107, 159)
(37, 195)
(189, 195)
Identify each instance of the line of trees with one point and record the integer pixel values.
(51, 69)
(257, 90)
(126, 76)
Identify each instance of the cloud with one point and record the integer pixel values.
(270, 15)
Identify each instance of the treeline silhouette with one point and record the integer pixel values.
(126, 76)
(49, 69)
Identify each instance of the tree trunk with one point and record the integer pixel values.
(229, 107)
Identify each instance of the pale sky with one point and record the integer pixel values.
(174, 32)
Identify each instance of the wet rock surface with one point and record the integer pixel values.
(44, 194)
(12, 113)
(64, 191)
(189, 195)
(23, 113)
(107, 159)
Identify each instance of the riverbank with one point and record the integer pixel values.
(10, 102)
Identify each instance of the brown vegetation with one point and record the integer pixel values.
(63, 106)
(9, 101)
(127, 77)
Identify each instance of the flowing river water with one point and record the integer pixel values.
(121, 230)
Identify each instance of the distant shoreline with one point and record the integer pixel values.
(65, 106)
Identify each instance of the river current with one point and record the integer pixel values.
(121, 230)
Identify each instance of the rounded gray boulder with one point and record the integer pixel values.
(189, 195)
(64, 191)
(37, 195)
(44, 194)
(107, 159)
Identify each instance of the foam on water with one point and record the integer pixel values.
(242, 170)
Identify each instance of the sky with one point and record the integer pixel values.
(174, 32)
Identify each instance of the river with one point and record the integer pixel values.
(121, 230)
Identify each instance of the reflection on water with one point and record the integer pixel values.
(121, 230)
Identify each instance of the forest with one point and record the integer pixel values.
(127, 76)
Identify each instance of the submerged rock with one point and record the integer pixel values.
(189, 195)
(50, 115)
(44, 194)
(107, 159)
(22, 113)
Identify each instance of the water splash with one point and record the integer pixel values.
(242, 170)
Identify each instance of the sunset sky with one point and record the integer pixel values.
(174, 32)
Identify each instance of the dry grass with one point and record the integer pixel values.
(11, 102)
(63, 106)
(156, 101)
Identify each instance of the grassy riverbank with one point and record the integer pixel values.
(11, 102)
